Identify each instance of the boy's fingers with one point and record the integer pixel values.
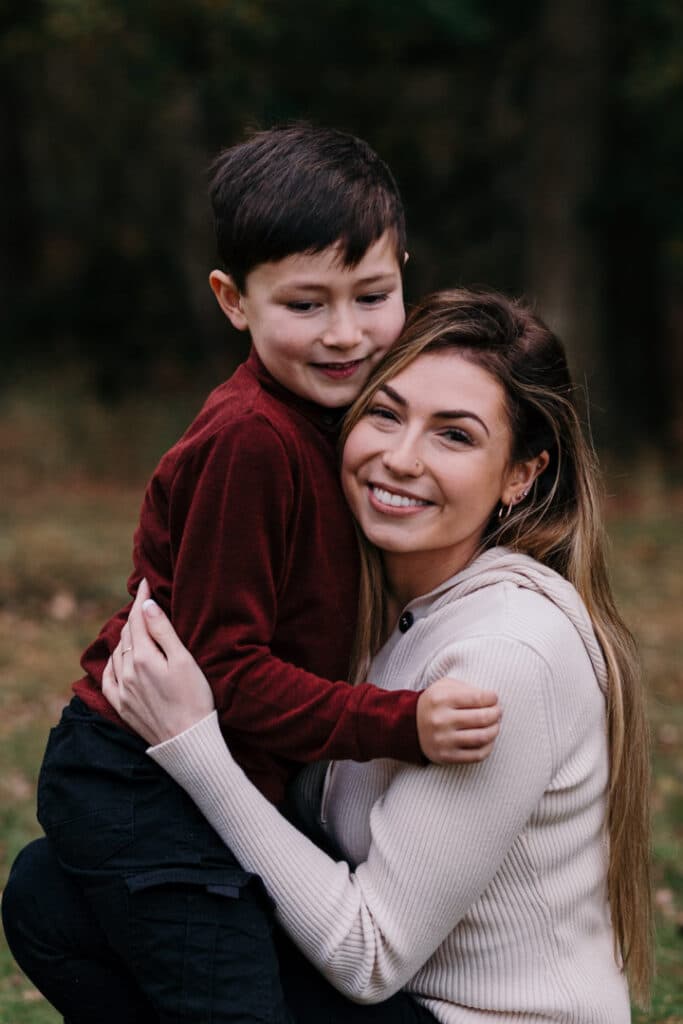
(473, 697)
(470, 738)
(477, 718)
(474, 755)
(462, 695)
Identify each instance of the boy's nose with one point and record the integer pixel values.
(343, 332)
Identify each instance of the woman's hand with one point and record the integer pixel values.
(151, 679)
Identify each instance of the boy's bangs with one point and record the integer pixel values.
(312, 226)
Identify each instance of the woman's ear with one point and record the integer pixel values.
(229, 298)
(521, 478)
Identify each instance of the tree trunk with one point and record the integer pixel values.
(562, 251)
(17, 242)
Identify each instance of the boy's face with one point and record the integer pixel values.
(320, 327)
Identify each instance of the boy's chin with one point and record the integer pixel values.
(336, 397)
(339, 404)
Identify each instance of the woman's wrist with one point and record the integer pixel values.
(197, 728)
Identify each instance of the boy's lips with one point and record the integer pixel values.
(340, 370)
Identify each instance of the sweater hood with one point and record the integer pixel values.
(501, 565)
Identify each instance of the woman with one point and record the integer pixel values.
(515, 889)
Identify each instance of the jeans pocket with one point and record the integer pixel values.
(86, 815)
(231, 882)
(93, 839)
(201, 943)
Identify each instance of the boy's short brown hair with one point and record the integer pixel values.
(301, 188)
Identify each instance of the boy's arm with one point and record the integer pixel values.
(229, 516)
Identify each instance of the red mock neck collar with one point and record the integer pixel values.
(328, 420)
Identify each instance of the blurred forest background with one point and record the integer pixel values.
(538, 146)
(539, 149)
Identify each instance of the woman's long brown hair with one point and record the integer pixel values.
(560, 524)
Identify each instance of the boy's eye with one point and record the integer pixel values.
(374, 299)
(301, 306)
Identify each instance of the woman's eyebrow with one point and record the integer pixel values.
(446, 414)
(394, 395)
(461, 414)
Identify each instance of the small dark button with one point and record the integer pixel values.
(406, 621)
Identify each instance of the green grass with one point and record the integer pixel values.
(648, 575)
(66, 522)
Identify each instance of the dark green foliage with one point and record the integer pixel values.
(110, 111)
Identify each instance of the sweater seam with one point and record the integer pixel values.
(488, 635)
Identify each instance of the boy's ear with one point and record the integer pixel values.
(228, 297)
(522, 476)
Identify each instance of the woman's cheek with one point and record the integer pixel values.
(352, 462)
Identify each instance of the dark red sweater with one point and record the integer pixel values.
(247, 543)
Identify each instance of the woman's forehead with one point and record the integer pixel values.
(444, 376)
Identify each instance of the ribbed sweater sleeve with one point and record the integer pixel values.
(438, 834)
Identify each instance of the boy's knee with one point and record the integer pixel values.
(19, 895)
(38, 900)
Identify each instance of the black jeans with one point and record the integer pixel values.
(190, 929)
(58, 942)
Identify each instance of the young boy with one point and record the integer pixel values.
(246, 541)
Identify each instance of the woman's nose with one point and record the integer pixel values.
(402, 460)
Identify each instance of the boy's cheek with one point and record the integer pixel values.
(399, 320)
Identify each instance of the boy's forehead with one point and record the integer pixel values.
(379, 261)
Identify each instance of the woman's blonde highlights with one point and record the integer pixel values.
(560, 524)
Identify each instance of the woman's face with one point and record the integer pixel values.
(430, 460)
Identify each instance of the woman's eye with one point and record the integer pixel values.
(457, 435)
(382, 413)
(374, 299)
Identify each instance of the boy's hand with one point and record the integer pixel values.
(457, 723)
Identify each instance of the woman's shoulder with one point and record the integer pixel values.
(499, 619)
(506, 607)
(506, 590)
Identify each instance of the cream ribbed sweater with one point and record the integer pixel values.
(480, 889)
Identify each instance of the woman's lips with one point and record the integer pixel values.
(395, 503)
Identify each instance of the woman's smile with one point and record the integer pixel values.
(392, 501)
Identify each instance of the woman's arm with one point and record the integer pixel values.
(438, 836)
(158, 688)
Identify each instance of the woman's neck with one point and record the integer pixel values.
(411, 574)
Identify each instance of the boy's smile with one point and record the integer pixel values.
(317, 325)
